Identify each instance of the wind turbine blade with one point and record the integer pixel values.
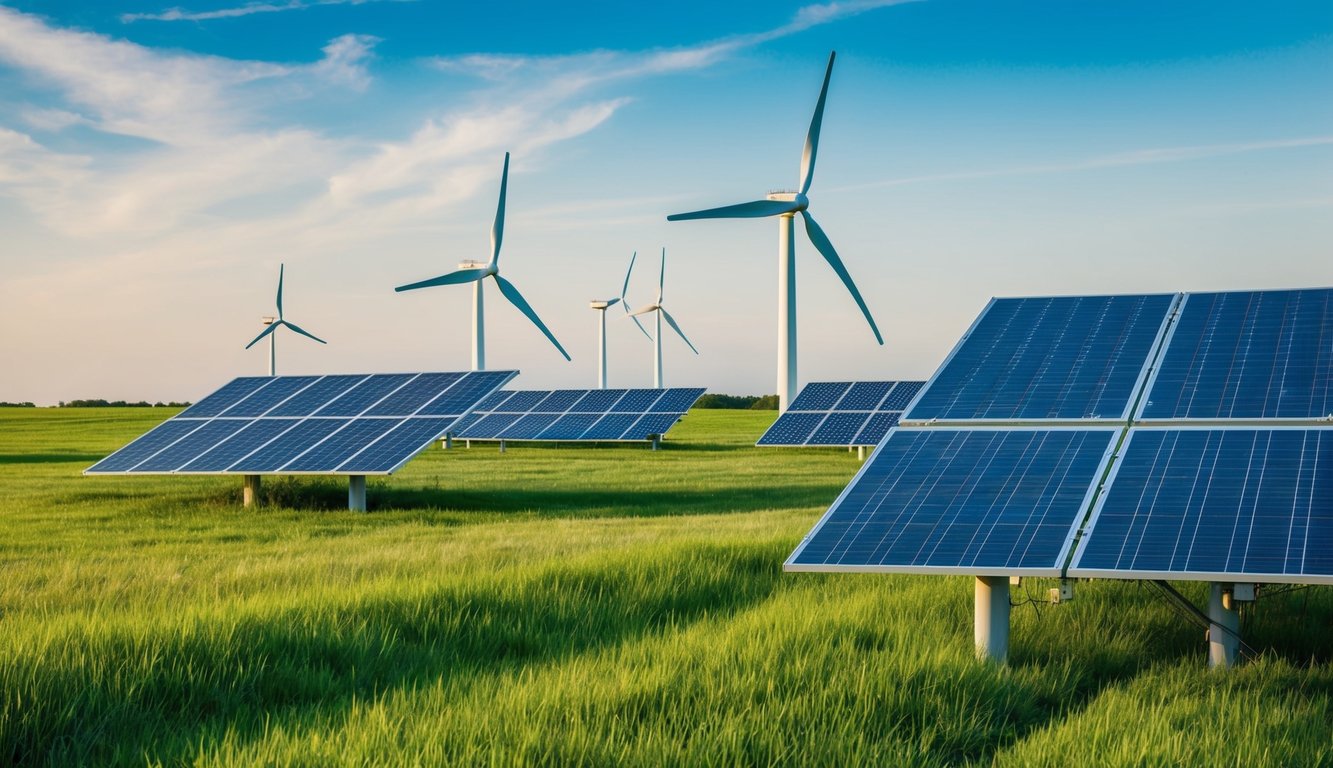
(498, 228)
(812, 138)
(625, 288)
(612, 302)
(270, 329)
(280, 270)
(672, 322)
(825, 247)
(516, 298)
(661, 278)
(643, 311)
(752, 210)
(636, 321)
(453, 278)
(300, 330)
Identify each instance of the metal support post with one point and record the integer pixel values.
(250, 490)
(502, 446)
(860, 453)
(656, 442)
(1224, 629)
(991, 629)
(356, 493)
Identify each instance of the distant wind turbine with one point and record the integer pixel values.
(601, 306)
(661, 313)
(273, 326)
(785, 205)
(475, 273)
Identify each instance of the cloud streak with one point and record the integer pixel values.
(249, 9)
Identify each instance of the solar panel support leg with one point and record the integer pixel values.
(860, 453)
(356, 493)
(250, 490)
(502, 446)
(991, 629)
(1224, 628)
(656, 442)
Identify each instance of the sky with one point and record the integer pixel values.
(158, 162)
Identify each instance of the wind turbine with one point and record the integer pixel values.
(785, 205)
(476, 273)
(273, 326)
(661, 313)
(601, 306)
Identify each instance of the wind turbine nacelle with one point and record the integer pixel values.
(268, 320)
(599, 304)
(790, 197)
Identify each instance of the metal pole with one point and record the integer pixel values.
(657, 358)
(786, 311)
(601, 350)
(1224, 630)
(273, 354)
(250, 490)
(478, 328)
(356, 493)
(991, 629)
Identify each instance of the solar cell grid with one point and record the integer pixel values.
(185, 449)
(860, 415)
(839, 429)
(676, 400)
(864, 396)
(559, 401)
(569, 427)
(236, 447)
(494, 399)
(409, 399)
(901, 396)
(638, 400)
(877, 426)
(490, 426)
(365, 394)
(263, 400)
(820, 396)
(598, 401)
(792, 428)
(397, 446)
(529, 426)
(342, 445)
(524, 400)
(317, 395)
(611, 426)
(650, 425)
(224, 398)
(288, 446)
(158, 438)
(462, 396)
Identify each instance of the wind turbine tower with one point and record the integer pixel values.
(476, 272)
(601, 305)
(273, 324)
(785, 205)
(661, 313)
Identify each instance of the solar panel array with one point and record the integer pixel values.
(842, 413)
(590, 415)
(1228, 476)
(363, 424)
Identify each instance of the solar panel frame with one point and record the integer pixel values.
(1089, 532)
(791, 564)
(911, 420)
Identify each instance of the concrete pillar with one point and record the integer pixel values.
(250, 490)
(991, 629)
(356, 493)
(1224, 629)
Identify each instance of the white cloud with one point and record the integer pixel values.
(249, 9)
(345, 59)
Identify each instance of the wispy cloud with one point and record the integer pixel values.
(249, 9)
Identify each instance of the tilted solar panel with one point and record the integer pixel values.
(1247, 355)
(1062, 358)
(984, 501)
(579, 415)
(1216, 504)
(841, 413)
(355, 425)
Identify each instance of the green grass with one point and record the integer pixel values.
(567, 605)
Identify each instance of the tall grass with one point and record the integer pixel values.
(572, 605)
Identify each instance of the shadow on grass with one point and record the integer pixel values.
(50, 458)
(157, 690)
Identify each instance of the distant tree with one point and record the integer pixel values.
(16, 405)
(99, 403)
(739, 402)
(765, 403)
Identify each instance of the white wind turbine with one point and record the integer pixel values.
(785, 205)
(476, 273)
(601, 306)
(273, 325)
(661, 313)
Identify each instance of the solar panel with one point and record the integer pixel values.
(357, 424)
(1247, 355)
(1216, 504)
(983, 501)
(579, 414)
(841, 413)
(1062, 358)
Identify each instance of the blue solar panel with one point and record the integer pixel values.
(611, 426)
(462, 397)
(1253, 354)
(839, 429)
(192, 445)
(226, 397)
(820, 396)
(901, 395)
(264, 399)
(494, 399)
(341, 445)
(792, 428)
(529, 426)
(400, 444)
(160, 437)
(560, 400)
(293, 443)
(638, 400)
(317, 395)
(1216, 504)
(466, 422)
(978, 501)
(489, 426)
(239, 445)
(357, 399)
(523, 401)
(677, 400)
(598, 401)
(1073, 357)
(864, 396)
(876, 428)
(649, 425)
(569, 427)
(416, 393)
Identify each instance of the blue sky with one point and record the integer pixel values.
(158, 161)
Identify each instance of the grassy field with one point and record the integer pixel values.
(565, 605)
